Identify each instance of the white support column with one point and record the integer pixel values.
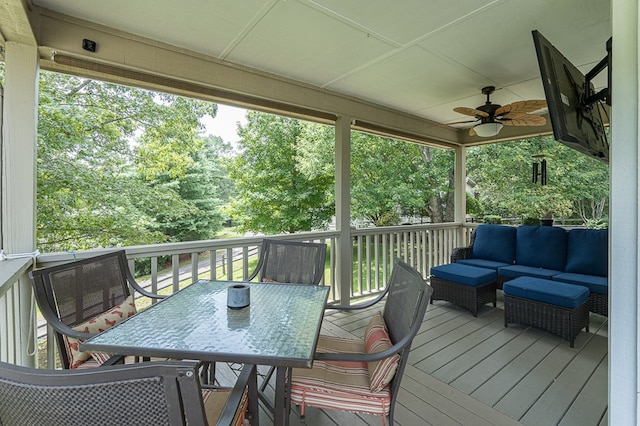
(460, 187)
(344, 249)
(624, 229)
(19, 132)
(18, 202)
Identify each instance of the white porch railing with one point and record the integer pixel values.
(172, 266)
(17, 313)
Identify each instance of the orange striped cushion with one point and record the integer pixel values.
(376, 339)
(338, 385)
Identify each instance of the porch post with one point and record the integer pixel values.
(624, 229)
(18, 206)
(460, 184)
(460, 187)
(344, 247)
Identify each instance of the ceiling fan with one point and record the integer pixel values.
(492, 117)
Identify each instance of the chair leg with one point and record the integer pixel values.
(208, 373)
(267, 377)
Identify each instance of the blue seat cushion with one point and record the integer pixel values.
(495, 242)
(547, 291)
(483, 263)
(587, 251)
(594, 283)
(464, 274)
(541, 246)
(515, 271)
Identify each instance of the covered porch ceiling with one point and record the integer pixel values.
(396, 68)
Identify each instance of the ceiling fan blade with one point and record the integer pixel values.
(521, 107)
(471, 111)
(525, 120)
(460, 122)
(472, 132)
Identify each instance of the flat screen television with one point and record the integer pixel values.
(574, 106)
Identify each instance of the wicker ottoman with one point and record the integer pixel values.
(466, 286)
(562, 309)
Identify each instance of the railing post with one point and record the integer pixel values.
(460, 188)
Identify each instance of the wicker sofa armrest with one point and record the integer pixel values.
(460, 253)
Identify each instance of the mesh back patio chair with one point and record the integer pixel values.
(290, 262)
(364, 376)
(81, 298)
(152, 393)
(283, 261)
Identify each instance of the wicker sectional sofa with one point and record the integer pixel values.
(575, 256)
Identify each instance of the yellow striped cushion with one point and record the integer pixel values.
(338, 385)
(376, 339)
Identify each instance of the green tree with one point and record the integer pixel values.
(391, 176)
(437, 180)
(278, 187)
(503, 173)
(206, 186)
(99, 144)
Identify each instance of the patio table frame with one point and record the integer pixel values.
(280, 328)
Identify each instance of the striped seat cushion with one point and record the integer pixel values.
(338, 385)
(376, 339)
(214, 401)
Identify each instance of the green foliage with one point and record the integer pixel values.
(492, 219)
(390, 175)
(577, 185)
(474, 207)
(596, 224)
(281, 183)
(101, 150)
(528, 220)
(388, 218)
(205, 186)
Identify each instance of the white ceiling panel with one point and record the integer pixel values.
(202, 26)
(419, 56)
(417, 77)
(300, 42)
(407, 20)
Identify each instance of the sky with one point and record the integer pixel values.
(225, 123)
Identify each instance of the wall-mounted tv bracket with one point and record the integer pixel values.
(604, 94)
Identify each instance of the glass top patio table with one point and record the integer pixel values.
(280, 327)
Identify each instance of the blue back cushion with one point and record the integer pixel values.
(587, 251)
(542, 247)
(495, 242)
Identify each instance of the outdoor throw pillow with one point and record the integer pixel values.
(96, 325)
(376, 339)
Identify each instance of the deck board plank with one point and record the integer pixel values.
(540, 378)
(491, 365)
(485, 374)
(473, 356)
(504, 381)
(552, 405)
(592, 401)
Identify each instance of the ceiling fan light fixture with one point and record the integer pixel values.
(486, 130)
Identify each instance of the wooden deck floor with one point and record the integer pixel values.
(473, 371)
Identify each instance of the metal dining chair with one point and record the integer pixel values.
(283, 261)
(152, 393)
(290, 262)
(83, 297)
(363, 376)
